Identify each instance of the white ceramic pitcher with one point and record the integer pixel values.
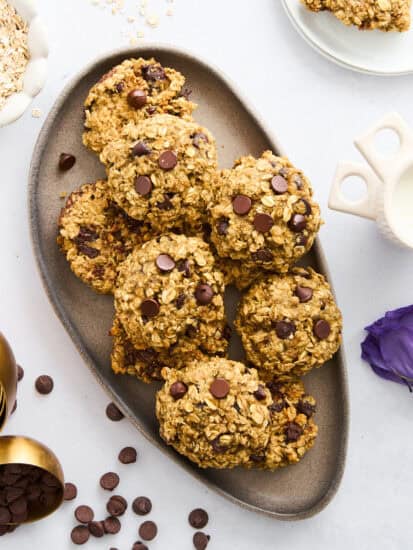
(389, 183)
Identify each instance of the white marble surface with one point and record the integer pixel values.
(315, 108)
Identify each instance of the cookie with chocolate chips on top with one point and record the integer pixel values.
(130, 92)
(290, 323)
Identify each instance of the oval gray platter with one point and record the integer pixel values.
(291, 493)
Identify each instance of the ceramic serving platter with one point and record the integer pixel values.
(290, 493)
(372, 52)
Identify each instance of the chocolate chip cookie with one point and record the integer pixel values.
(263, 214)
(289, 323)
(292, 427)
(134, 90)
(96, 235)
(214, 412)
(170, 293)
(162, 170)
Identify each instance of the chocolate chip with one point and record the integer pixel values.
(44, 384)
(260, 393)
(139, 546)
(199, 138)
(140, 149)
(136, 99)
(219, 388)
(153, 72)
(113, 413)
(301, 240)
(297, 223)
(80, 534)
(298, 181)
(180, 301)
(263, 222)
(84, 514)
(148, 530)
(216, 445)
(198, 518)
(70, 491)
(322, 329)
(304, 407)
(142, 506)
(204, 294)
(109, 481)
(279, 185)
(116, 506)
(66, 161)
(96, 529)
(284, 329)
(88, 251)
(143, 185)
(128, 455)
(277, 406)
(303, 293)
(167, 160)
(111, 525)
(257, 458)
(165, 263)
(183, 266)
(20, 373)
(150, 308)
(86, 234)
(222, 226)
(262, 255)
(166, 204)
(292, 432)
(178, 390)
(241, 205)
(307, 205)
(120, 86)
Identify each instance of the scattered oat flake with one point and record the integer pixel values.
(131, 19)
(36, 113)
(133, 41)
(63, 194)
(152, 20)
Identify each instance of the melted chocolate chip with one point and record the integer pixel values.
(292, 432)
(284, 329)
(150, 308)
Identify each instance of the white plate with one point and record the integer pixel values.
(373, 52)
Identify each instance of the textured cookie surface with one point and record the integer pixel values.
(131, 92)
(263, 213)
(96, 235)
(162, 170)
(169, 292)
(214, 412)
(386, 15)
(289, 323)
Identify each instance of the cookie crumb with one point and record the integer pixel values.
(36, 113)
(152, 20)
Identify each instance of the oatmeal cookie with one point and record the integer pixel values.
(214, 412)
(385, 15)
(292, 428)
(96, 235)
(169, 289)
(289, 323)
(134, 90)
(161, 171)
(263, 213)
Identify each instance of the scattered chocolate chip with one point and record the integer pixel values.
(128, 455)
(136, 99)
(241, 205)
(304, 407)
(219, 388)
(20, 373)
(143, 185)
(263, 222)
(165, 263)
(297, 223)
(199, 138)
(262, 255)
(84, 514)
(116, 506)
(111, 525)
(303, 293)
(96, 529)
(80, 534)
(279, 185)
(140, 149)
(198, 518)
(66, 161)
(139, 546)
(180, 301)
(322, 329)
(88, 251)
(153, 72)
(260, 393)
(167, 160)
(44, 384)
(70, 491)
(109, 481)
(142, 506)
(178, 390)
(292, 432)
(183, 266)
(113, 413)
(150, 308)
(284, 329)
(222, 226)
(148, 530)
(204, 294)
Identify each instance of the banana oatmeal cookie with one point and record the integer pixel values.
(289, 323)
(214, 412)
(169, 292)
(162, 170)
(385, 15)
(96, 235)
(263, 213)
(292, 428)
(134, 90)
